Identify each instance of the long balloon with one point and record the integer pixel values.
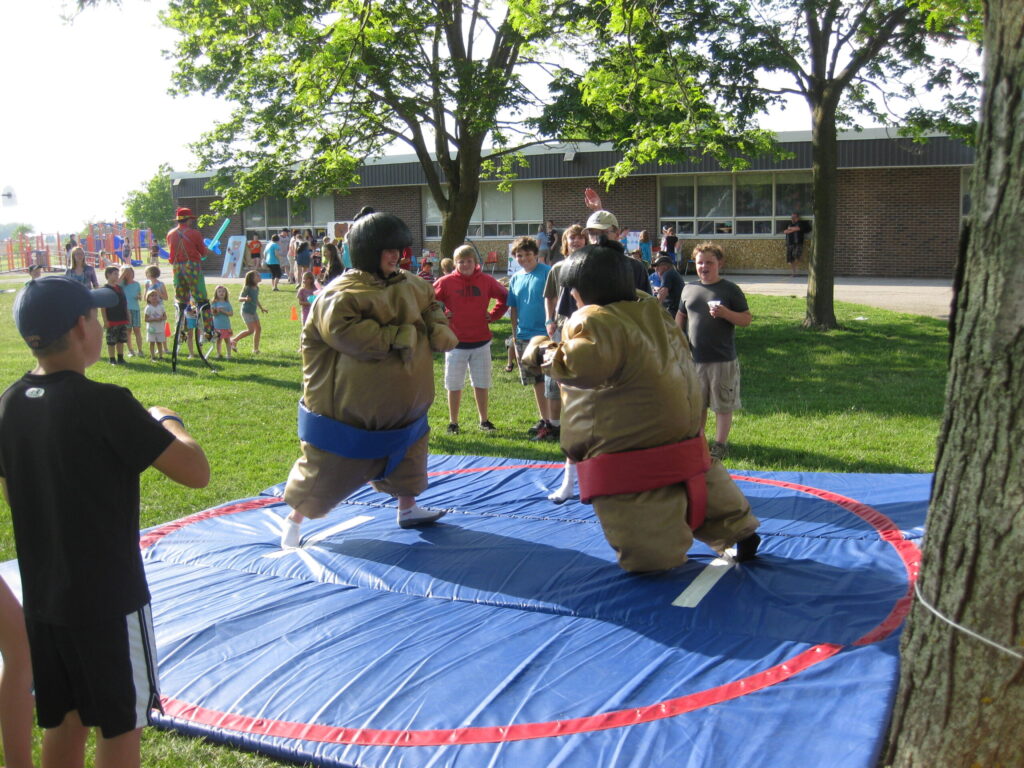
(214, 242)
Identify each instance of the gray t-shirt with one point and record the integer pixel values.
(712, 339)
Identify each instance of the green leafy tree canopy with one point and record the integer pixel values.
(152, 205)
(321, 85)
(672, 80)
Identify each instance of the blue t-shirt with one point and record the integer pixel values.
(131, 295)
(526, 295)
(270, 254)
(222, 322)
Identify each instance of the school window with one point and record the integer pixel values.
(965, 190)
(498, 215)
(268, 216)
(726, 204)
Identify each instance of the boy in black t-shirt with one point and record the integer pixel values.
(71, 451)
(115, 317)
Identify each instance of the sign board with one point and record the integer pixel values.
(233, 256)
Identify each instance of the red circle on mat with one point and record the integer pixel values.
(907, 551)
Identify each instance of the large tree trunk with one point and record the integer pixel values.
(821, 263)
(463, 193)
(961, 701)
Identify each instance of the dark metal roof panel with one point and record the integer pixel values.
(893, 153)
(191, 187)
(853, 153)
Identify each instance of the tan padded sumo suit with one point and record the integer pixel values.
(367, 362)
(629, 383)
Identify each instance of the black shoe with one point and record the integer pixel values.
(453, 429)
(547, 432)
(486, 426)
(536, 427)
(746, 549)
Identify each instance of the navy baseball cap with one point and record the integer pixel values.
(47, 308)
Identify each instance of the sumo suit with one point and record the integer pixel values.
(367, 364)
(628, 384)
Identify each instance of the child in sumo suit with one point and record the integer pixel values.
(631, 418)
(368, 381)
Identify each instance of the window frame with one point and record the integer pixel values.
(731, 225)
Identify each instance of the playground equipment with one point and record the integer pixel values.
(104, 244)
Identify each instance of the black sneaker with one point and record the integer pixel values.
(536, 427)
(453, 429)
(486, 426)
(547, 432)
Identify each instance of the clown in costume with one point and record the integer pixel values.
(187, 250)
(631, 418)
(368, 381)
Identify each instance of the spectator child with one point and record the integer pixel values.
(222, 313)
(132, 290)
(35, 271)
(426, 271)
(250, 301)
(709, 312)
(153, 282)
(86, 600)
(191, 323)
(255, 247)
(646, 248)
(467, 295)
(306, 293)
(526, 310)
(447, 266)
(115, 318)
(156, 323)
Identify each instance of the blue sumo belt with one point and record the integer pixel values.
(339, 438)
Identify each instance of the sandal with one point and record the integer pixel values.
(509, 368)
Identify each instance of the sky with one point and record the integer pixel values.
(86, 117)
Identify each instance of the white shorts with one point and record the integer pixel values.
(477, 360)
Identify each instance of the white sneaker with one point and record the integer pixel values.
(417, 515)
(291, 535)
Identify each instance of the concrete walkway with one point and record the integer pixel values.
(916, 297)
(913, 296)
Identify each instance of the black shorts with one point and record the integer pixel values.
(793, 251)
(275, 270)
(106, 671)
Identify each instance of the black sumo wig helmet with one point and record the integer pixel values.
(373, 234)
(601, 274)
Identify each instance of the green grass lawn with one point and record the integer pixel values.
(866, 398)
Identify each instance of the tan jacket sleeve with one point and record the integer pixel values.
(442, 339)
(591, 354)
